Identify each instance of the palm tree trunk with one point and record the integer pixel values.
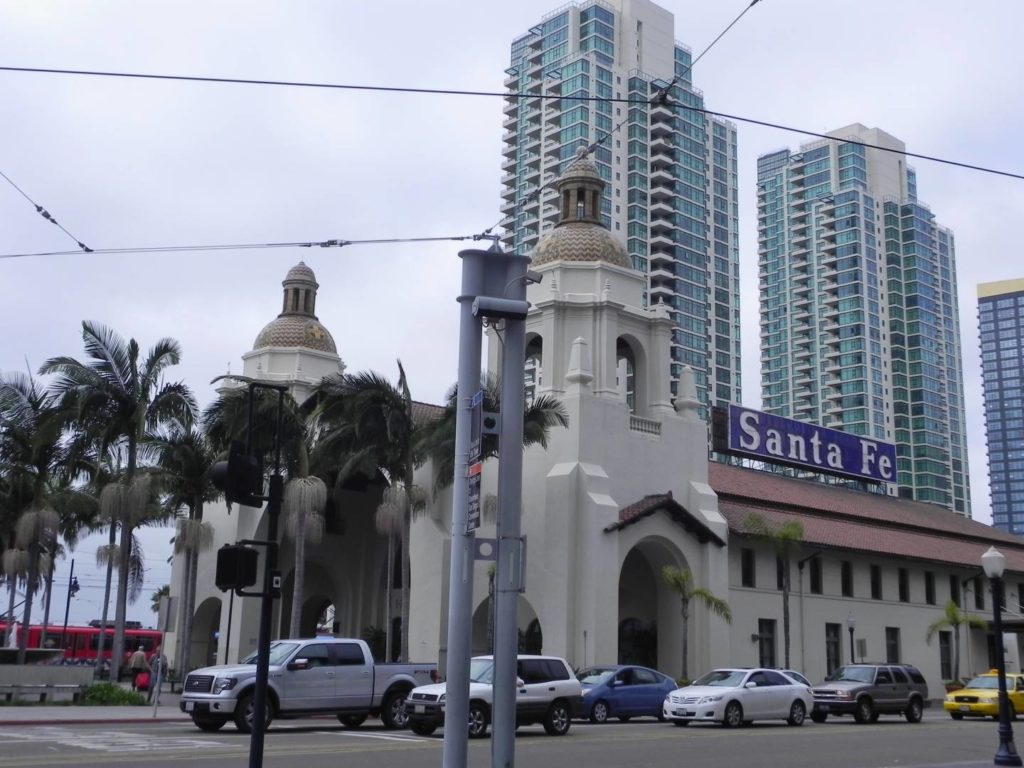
(956, 652)
(12, 583)
(106, 599)
(406, 575)
(184, 640)
(190, 612)
(685, 611)
(300, 568)
(388, 637)
(121, 603)
(46, 601)
(26, 621)
(785, 609)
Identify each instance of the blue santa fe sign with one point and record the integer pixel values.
(785, 441)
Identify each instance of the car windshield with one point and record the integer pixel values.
(986, 681)
(722, 678)
(481, 671)
(595, 676)
(853, 674)
(279, 651)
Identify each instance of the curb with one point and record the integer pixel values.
(95, 721)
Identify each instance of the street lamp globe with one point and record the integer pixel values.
(994, 563)
(851, 623)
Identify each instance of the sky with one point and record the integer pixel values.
(132, 163)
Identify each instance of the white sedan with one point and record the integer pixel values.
(733, 697)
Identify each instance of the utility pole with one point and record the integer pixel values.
(72, 591)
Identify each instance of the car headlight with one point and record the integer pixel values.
(950, 698)
(224, 684)
(709, 699)
(587, 691)
(988, 699)
(441, 698)
(844, 695)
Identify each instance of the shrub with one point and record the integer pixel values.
(109, 694)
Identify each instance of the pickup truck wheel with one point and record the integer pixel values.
(245, 711)
(207, 723)
(477, 720)
(392, 713)
(351, 721)
(819, 717)
(557, 720)
(865, 711)
(422, 729)
(914, 711)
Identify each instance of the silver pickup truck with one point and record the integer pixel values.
(307, 677)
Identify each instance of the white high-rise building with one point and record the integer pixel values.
(670, 170)
(859, 322)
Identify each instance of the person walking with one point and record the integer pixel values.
(137, 664)
(157, 672)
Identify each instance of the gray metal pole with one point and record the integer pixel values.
(509, 527)
(460, 583)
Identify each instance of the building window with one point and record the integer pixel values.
(946, 654)
(876, 582)
(979, 593)
(892, 645)
(847, 578)
(816, 576)
(766, 642)
(780, 573)
(954, 589)
(929, 587)
(833, 641)
(904, 585)
(747, 567)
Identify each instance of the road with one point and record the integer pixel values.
(936, 743)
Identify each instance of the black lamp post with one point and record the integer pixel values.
(850, 624)
(994, 562)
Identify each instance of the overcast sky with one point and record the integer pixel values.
(127, 163)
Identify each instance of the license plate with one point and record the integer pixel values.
(419, 709)
(965, 708)
(189, 706)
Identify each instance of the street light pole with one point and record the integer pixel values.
(850, 624)
(994, 562)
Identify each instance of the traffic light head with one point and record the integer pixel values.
(236, 567)
(240, 477)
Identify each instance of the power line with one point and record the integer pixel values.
(45, 213)
(502, 95)
(247, 246)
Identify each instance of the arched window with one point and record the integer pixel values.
(626, 373)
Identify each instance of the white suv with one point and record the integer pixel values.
(548, 693)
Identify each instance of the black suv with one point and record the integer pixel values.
(869, 690)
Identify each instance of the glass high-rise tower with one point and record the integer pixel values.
(858, 302)
(670, 171)
(1001, 323)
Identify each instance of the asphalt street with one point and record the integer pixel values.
(936, 743)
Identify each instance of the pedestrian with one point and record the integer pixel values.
(158, 671)
(137, 664)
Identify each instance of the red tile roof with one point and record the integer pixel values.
(842, 518)
(648, 505)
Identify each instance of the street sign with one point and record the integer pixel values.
(476, 418)
(473, 512)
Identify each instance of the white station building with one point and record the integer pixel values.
(626, 489)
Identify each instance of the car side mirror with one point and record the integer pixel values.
(751, 684)
(298, 664)
(519, 682)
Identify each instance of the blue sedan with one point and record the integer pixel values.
(623, 691)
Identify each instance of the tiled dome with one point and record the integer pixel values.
(296, 331)
(300, 272)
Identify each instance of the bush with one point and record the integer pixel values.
(111, 695)
(682, 682)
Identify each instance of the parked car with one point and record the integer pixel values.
(733, 697)
(307, 677)
(799, 677)
(623, 691)
(548, 693)
(980, 697)
(869, 690)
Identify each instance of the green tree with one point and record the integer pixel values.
(680, 580)
(952, 619)
(157, 596)
(785, 538)
(185, 457)
(118, 395)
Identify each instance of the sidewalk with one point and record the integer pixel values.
(61, 714)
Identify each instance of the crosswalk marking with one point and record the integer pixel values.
(109, 741)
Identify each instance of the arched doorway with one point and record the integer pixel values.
(531, 635)
(206, 632)
(649, 625)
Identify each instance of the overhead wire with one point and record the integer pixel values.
(45, 213)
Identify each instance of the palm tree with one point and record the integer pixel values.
(185, 458)
(680, 580)
(157, 596)
(118, 396)
(785, 538)
(952, 619)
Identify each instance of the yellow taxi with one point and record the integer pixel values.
(980, 697)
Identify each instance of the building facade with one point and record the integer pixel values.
(1001, 323)
(670, 171)
(858, 300)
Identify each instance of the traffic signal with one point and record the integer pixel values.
(240, 477)
(236, 567)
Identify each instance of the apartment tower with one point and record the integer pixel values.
(858, 303)
(1001, 322)
(589, 72)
